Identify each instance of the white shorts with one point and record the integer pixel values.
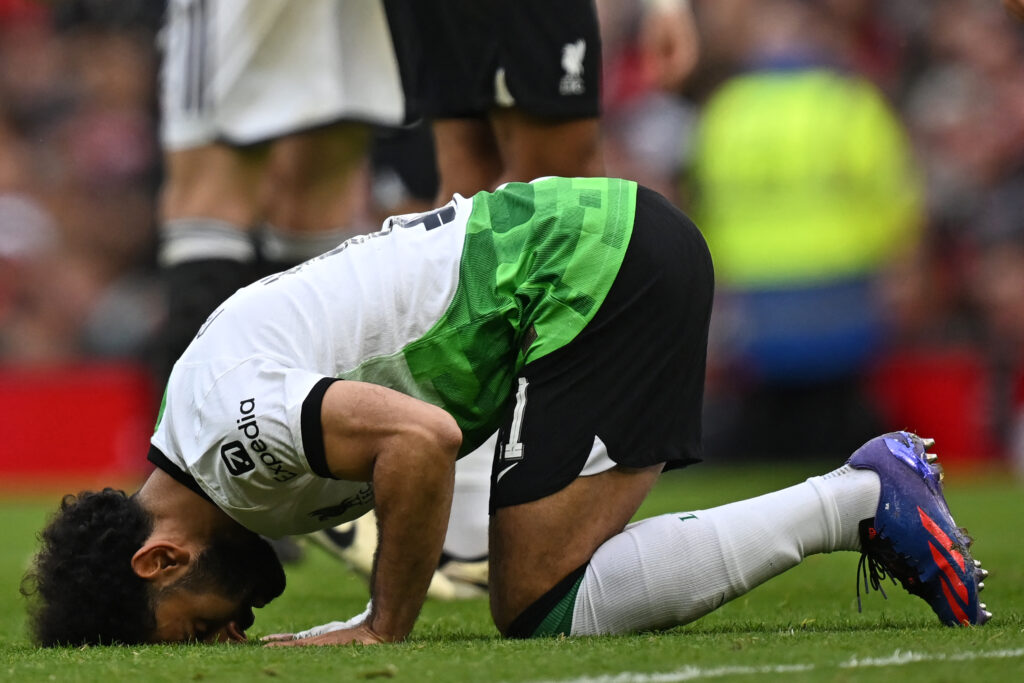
(245, 71)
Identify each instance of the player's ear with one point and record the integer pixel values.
(161, 561)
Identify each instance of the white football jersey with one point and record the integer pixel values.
(446, 306)
(233, 412)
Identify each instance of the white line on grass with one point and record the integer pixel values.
(899, 658)
(692, 673)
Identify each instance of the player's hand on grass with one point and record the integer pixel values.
(322, 629)
(361, 635)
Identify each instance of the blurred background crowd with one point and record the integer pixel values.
(856, 165)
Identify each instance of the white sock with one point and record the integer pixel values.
(673, 569)
(283, 246)
(187, 240)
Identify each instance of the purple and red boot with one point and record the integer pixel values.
(912, 537)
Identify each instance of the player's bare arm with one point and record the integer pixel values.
(407, 448)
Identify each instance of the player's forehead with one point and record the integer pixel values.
(183, 616)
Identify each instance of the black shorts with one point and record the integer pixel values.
(452, 50)
(404, 156)
(633, 378)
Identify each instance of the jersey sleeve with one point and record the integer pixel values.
(257, 449)
(257, 418)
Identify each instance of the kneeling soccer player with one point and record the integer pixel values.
(571, 315)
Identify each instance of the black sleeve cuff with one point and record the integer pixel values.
(313, 429)
(176, 473)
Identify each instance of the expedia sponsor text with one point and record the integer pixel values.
(250, 429)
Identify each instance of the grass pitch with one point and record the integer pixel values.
(803, 626)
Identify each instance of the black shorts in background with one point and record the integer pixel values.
(633, 378)
(549, 52)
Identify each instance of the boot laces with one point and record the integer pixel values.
(874, 572)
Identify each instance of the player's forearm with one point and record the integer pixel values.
(413, 492)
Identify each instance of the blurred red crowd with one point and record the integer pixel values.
(80, 171)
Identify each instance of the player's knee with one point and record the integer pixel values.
(549, 615)
(214, 181)
(532, 147)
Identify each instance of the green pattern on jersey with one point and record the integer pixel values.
(160, 412)
(539, 258)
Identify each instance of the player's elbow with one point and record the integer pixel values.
(435, 437)
(444, 434)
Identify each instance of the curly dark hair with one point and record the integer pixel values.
(82, 588)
